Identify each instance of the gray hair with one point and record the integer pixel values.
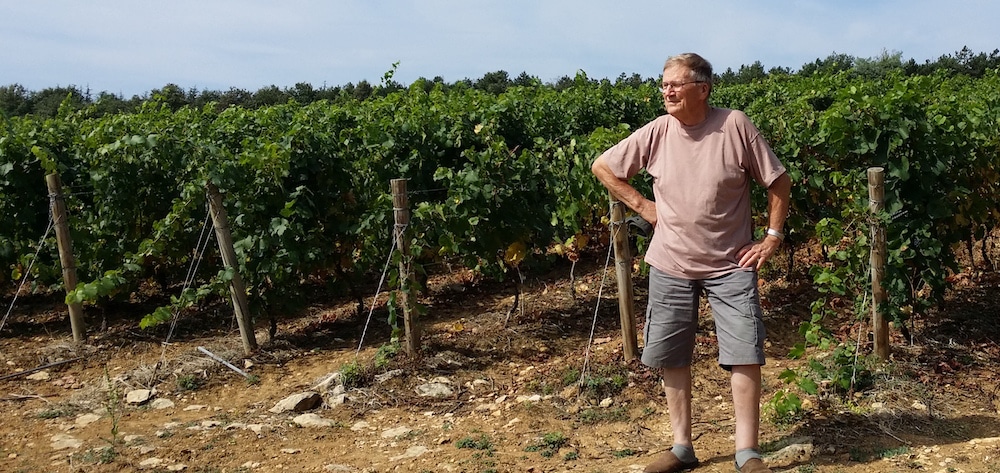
(701, 69)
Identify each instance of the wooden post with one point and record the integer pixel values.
(876, 196)
(237, 289)
(401, 215)
(623, 272)
(66, 258)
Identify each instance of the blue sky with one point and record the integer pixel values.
(131, 47)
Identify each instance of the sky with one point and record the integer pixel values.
(131, 47)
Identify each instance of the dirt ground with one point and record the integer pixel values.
(514, 402)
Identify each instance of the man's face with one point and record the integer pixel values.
(683, 97)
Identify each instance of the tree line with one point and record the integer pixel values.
(16, 100)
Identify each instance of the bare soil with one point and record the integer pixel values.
(516, 406)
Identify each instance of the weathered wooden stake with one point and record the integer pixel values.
(401, 215)
(876, 196)
(237, 289)
(66, 258)
(623, 272)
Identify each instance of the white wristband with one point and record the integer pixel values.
(775, 233)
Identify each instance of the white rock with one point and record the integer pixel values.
(360, 425)
(412, 452)
(438, 390)
(336, 400)
(291, 451)
(259, 429)
(985, 440)
(339, 468)
(139, 396)
(87, 419)
(792, 454)
(39, 376)
(300, 402)
(607, 402)
(328, 381)
(396, 432)
(161, 403)
(195, 407)
(387, 376)
(312, 420)
(151, 463)
(63, 441)
(177, 467)
(570, 392)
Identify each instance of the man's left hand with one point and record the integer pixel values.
(757, 253)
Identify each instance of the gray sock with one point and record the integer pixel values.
(742, 456)
(684, 453)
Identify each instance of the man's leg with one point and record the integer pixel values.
(746, 402)
(739, 326)
(671, 322)
(677, 387)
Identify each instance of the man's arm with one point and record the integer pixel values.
(625, 192)
(778, 197)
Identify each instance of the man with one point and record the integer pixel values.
(702, 159)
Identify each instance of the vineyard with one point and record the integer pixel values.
(500, 187)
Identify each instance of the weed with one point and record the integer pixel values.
(189, 382)
(892, 452)
(574, 455)
(476, 443)
(785, 407)
(385, 354)
(351, 374)
(549, 444)
(594, 416)
(570, 376)
(113, 404)
(810, 468)
(606, 381)
(53, 413)
(858, 455)
(253, 380)
(626, 452)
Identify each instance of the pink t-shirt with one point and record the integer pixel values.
(701, 185)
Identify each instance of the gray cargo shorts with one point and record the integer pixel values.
(672, 319)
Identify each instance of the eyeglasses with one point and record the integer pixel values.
(664, 88)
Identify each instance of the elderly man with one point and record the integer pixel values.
(702, 160)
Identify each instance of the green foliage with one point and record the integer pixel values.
(785, 407)
(570, 375)
(351, 374)
(189, 382)
(623, 453)
(605, 381)
(501, 166)
(482, 442)
(385, 354)
(592, 416)
(549, 444)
